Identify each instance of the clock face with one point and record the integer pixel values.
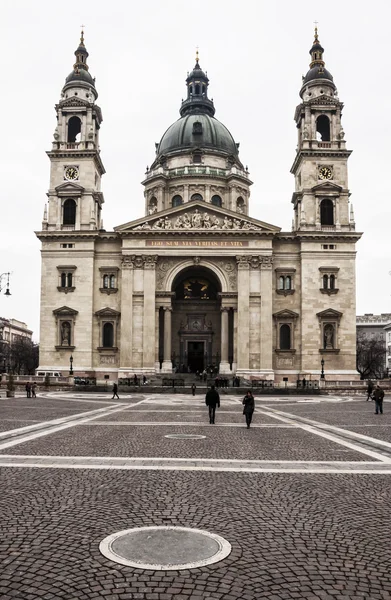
(71, 173)
(325, 173)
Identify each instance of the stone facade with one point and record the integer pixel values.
(196, 281)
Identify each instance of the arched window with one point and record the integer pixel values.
(325, 282)
(288, 282)
(69, 279)
(74, 129)
(281, 282)
(240, 205)
(177, 200)
(69, 217)
(327, 212)
(216, 200)
(197, 88)
(105, 281)
(63, 280)
(108, 335)
(196, 197)
(323, 128)
(112, 281)
(285, 337)
(191, 89)
(332, 282)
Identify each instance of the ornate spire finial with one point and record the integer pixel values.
(316, 39)
(197, 56)
(82, 35)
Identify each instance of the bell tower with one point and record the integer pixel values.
(321, 197)
(74, 197)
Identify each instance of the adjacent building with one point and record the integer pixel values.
(196, 281)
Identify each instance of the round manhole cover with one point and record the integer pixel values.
(185, 436)
(165, 548)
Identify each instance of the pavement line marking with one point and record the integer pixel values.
(47, 427)
(321, 425)
(193, 424)
(329, 436)
(115, 463)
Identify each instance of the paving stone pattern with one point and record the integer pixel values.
(294, 535)
(128, 440)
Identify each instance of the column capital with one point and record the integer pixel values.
(224, 309)
(242, 262)
(139, 261)
(167, 308)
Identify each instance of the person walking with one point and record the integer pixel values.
(33, 388)
(378, 396)
(115, 391)
(193, 389)
(369, 390)
(249, 406)
(28, 389)
(212, 399)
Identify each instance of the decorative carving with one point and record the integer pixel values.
(108, 360)
(147, 261)
(196, 220)
(196, 260)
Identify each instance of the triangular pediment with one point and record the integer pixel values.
(107, 313)
(69, 187)
(327, 187)
(329, 313)
(324, 100)
(74, 102)
(65, 311)
(285, 314)
(200, 216)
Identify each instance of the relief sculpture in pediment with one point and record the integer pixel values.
(197, 220)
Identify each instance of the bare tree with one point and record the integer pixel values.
(21, 356)
(370, 357)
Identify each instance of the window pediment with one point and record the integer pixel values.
(285, 314)
(107, 313)
(69, 188)
(327, 187)
(329, 313)
(65, 311)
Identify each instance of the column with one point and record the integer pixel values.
(235, 341)
(149, 313)
(157, 363)
(243, 337)
(167, 364)
(186, 193)
(126, 313)
(224, 365)
(266, 350)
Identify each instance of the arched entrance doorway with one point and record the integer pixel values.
(196, 320)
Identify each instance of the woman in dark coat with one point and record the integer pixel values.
(249, 406)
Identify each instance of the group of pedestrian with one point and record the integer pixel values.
(31, 389)
(375, 392)
(212, 401)
(221, 382)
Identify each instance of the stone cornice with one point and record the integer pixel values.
(318, 152)
(72, 154)
(351, 236)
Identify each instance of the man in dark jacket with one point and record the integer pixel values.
(212, 399)
(378, 396)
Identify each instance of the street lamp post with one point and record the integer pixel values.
(71, 365)
(7, 289)
(322, 371)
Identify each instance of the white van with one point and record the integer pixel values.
(47, 373)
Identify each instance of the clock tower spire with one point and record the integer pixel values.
(321, 197)
(75, 199)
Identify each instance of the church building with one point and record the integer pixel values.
(196, 282)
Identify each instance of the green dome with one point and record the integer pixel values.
(197, 131)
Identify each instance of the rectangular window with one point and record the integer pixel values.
(67, 245)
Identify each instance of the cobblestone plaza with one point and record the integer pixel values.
(302, 497)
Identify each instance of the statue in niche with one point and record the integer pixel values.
(65, 334)
(328, 342)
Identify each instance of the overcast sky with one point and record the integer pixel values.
(255, 53)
